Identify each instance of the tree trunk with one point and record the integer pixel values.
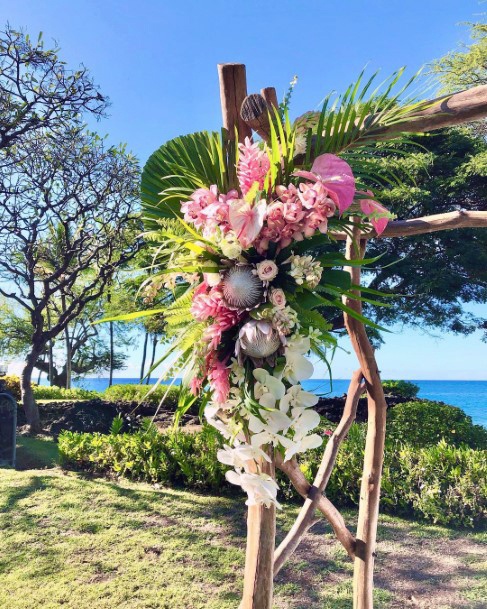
(144, 355)
(110, 331)
(50, 349)
(363, 582)
(259, 559)
(110, 375)
(68, 347)
(153, 357)
(28, 401)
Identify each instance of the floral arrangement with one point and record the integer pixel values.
(245, 293)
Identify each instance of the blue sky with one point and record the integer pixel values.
(156, 60)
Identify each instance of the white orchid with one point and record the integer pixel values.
(238, 372)
(260, 488)
(268, 389)
(297, 367)
(297, 397)
(229, 429)
(302, 445)
(299, 343)
(305, 422)
(240, 455)
(267, 431)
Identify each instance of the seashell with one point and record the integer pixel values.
(258, 339)
(241, 288)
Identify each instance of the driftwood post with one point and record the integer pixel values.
(261, 521)
(250, 112)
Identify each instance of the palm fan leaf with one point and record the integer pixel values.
(178, 168)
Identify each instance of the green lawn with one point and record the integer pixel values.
(72, 542)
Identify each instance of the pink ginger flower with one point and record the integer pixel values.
(225, 320)
(336, 175)
(378, 215)
(205, 305)
(219, 380)
(247, 220)
(253, 165)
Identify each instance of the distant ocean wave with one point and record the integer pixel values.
(470, 396)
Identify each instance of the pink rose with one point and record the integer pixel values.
(266, 270)
(277, 298)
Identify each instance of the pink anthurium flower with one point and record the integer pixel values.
(247, 220)
(378, 215)
(336, 174)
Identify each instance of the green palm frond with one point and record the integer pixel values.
(358, 117)
(178, 168)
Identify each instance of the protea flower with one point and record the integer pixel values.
(242, 290)
(258, 340)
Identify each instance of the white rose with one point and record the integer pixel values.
(267, 270)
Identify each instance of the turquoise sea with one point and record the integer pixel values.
(471, 396)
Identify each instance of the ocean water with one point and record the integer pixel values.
(470, 396)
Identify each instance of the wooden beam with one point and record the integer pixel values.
(270, 95)
(461, 107)
(233, 90)
(375, 440)
(306, 515)
(255, 113)
(427, 224)
(325, 506)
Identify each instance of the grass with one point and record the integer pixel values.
(73, 542)
(36, 453)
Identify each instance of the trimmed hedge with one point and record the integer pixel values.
(45, 392)
(173, 457)
(402, 389)
(12, 383)
(140, 393)
(441, 483)
(424, 423)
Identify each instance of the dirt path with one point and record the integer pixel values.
(418, 566)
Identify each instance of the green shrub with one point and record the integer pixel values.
(140, 393)
(446, 484)
(45, 392)
(425, 423)
(12, 384)
(403, 389)
(441, 483)
(173, 457)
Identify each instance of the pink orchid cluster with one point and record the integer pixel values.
(208, 209)
(289, 213)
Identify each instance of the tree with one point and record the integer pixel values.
(449, 174)
(467, 67)
(69, 183)
(89, 343)
(38, 92)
